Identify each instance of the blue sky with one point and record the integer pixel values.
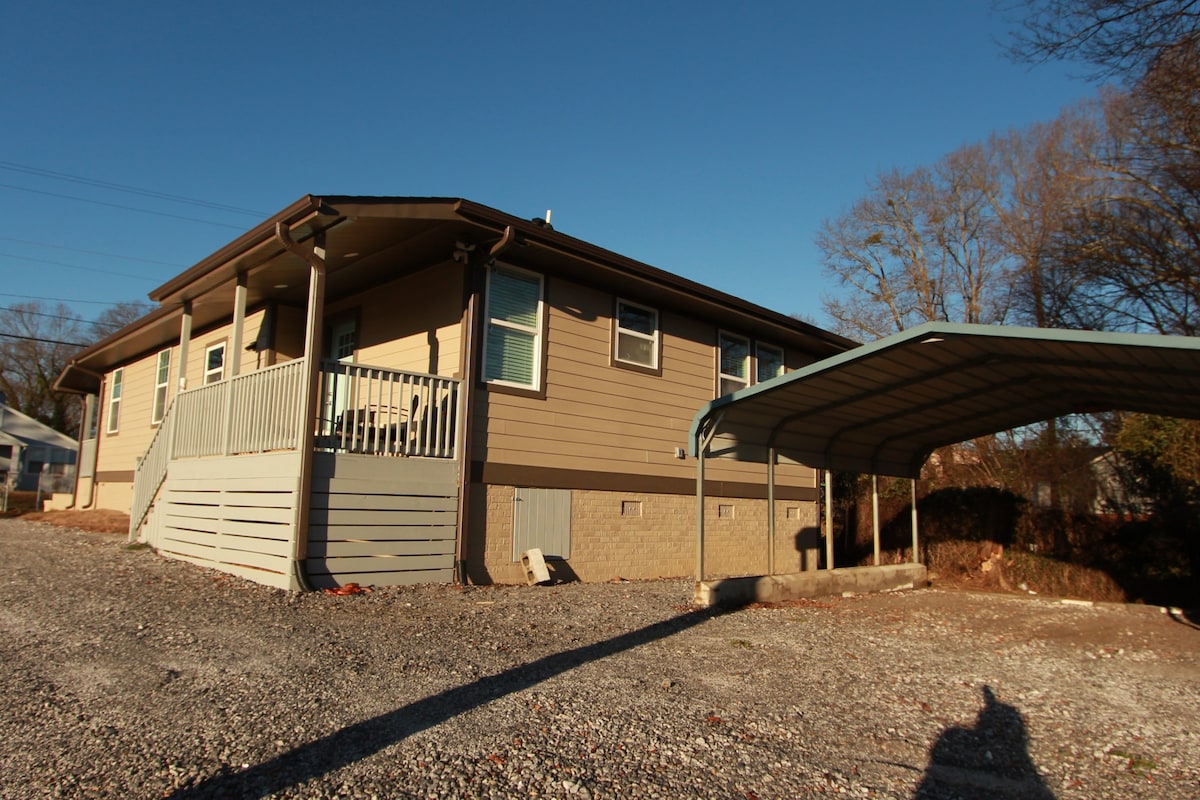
(708, 139)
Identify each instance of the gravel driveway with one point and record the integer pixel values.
(127, 675)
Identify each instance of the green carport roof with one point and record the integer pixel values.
(882, 408)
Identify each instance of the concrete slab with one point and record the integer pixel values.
(818, 583)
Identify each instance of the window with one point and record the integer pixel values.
(636, 336)
(770, 362)
(214, 363)
(513, 350)
(162, 376)
(114, 401)
(734, 369)
(5, 451)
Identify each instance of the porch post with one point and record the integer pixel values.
(306, 431)
(185, 336)
(239, 321)
(875, 515)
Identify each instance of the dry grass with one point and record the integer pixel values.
(99, 520)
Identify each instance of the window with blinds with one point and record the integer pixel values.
(513, 351)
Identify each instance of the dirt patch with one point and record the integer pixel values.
(97, 520)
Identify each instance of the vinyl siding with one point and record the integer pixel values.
(412, 323)
(599, 417)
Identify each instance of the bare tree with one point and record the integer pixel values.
(116, 317)
(1044, 176)
(1121, 38)
(36, 342)
(920, 246)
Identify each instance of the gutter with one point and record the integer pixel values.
(577, 248)
(471, 345)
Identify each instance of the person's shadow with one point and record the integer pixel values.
(989, 760)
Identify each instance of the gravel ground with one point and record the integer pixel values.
(127, 675)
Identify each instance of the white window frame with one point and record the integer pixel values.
(115, 388)
(220, 371)
(722, 376)
(619, 331)
(759, 347)
(162, 383)
(535, 330)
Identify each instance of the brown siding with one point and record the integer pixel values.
(599, 417)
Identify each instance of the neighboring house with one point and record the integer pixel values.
(398, 390)
(33, 454)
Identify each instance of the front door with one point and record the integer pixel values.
(343, 337)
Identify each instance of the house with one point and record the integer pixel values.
(389, 390)
(34, 455)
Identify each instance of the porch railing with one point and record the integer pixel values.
(363, 409)
(252, 413)
(387, 412)
(151, 470)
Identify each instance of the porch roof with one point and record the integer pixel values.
(882, 408)
(369, 240)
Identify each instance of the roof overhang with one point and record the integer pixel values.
(882, 408)
(370, 240)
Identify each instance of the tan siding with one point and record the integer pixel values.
(413, 323)
(600, 417)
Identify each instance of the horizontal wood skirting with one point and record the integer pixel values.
(545, 478)
(114, 476)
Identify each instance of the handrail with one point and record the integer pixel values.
(151, 471)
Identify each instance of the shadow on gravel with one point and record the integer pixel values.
(364, 739)
(987, 761)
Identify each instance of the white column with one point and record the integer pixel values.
(239, 322)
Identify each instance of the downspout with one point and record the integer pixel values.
(315, 258)
(83, 426)
(472, 338)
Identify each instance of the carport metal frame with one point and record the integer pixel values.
(882, 408)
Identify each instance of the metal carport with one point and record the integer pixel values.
(882, 408)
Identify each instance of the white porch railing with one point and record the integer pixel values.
(151, 471)
(387, 412)
(363, 410)
(252, 413)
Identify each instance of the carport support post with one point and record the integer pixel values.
(771, 511)
(875, 515)
(700, 510)
(915, 558)
(828, 519)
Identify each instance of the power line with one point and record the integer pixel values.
(120, 187)
(118, 205)
(59, 316)
(43, 341)
(73, 266)
(63, 299)
(91, 252)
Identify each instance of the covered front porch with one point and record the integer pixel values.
(224, 483)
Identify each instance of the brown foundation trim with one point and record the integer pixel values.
(114, 476)
(548, 478)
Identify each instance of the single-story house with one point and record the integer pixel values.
(33, 454)
(389, 390)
